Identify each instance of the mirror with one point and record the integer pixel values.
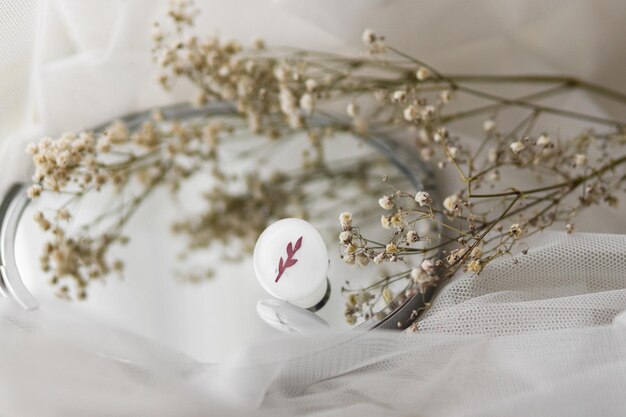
(188, 281)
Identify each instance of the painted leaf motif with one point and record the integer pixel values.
(291, 251)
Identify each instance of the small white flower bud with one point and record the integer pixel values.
(310, 85)
(580, 159)
(412, 236)
(428, 112)
(369, 37)
(32, 148)
(427, 154)
(385, 222)
(440, 134)
(451, 202)
(543, 141)
(345, 219)
(418, 276)
(34, 191)
(422, 73)
(352, 109)
(379, 258)
(411, 113)
(445, 96)
(391, 248)
(517, 146)
(282, 74)
(428, 266)
(386, 202)
(515, 231)
(475, 266)
(307, 103)
(362, 260)
(345, 237)
(423, 198)
(398, 96)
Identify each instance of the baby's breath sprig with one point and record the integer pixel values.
(164, 152)
(281, 91)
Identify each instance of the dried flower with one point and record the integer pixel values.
(397, 219)
(349, 258)
(517, 146)
(350, 248)
(307, 103)
(452, 151)
(63, 214)
(398, 96)
(543, 141)
(387, 295)
(451, 203)
(34, 191)
(353, 109)
(258, 43)
(32, 149)
(456, 255)
(475, 266)
(417, 274)
(477, 252)
(422, 73)
(411, 113)
(391, 248)
(385, 221)
(345, 219)
(427, 154)
(489, 126)
(374, 43)
(272, 94)
(362, 260)
(580, 159)
(345, 237)
(428, 266)
(386, 202)
(41, 220)
(422, 279)
(379, 258)
(368, 37)
(310, 85)
(423, 198)
(445, 96)
(515, 231)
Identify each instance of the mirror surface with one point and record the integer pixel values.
(164, 296)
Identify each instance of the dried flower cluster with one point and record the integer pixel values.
(276, 93)
(477, 227)
(167, 153)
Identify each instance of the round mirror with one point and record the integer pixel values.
(188, 279)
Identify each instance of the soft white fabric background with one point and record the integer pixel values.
(544, 338)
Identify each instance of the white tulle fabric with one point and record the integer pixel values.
(545, 336)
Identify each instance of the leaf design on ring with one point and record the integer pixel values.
(291, 261)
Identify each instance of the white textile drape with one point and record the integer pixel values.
(545, 337)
